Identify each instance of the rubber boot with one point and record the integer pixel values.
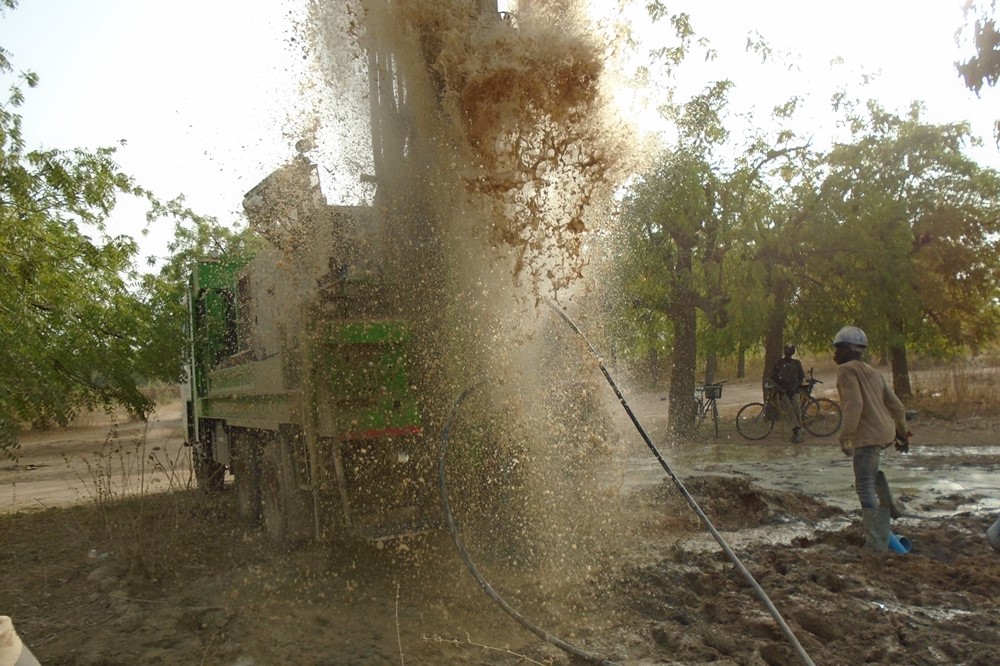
(796, 435)
(993, 535)
(885, 495)
(876, 524)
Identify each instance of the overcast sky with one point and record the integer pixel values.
(201, 90)
(906, 48)
(206, 92)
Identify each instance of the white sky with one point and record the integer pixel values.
(202, 91)
(206, 92)
(909, 45)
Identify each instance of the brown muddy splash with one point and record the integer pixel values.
(489, 151)
(509, 108)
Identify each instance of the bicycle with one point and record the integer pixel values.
(821, 417)
(706, 396)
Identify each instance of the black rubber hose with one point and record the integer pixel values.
(758, 590)
(470, 565)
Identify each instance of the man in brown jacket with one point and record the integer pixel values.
(874, 419)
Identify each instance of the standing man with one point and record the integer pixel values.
(788, 376)
(874, 419)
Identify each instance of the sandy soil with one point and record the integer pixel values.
(170, 578)
(98, 458)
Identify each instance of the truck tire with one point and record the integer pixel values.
(246, 461)
(286, 509)
(209, 475)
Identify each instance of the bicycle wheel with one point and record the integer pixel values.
(821, 416)
(753, 422)
(699, 413)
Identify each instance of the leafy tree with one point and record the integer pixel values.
(983, 67)
(688, 229)
(771, 188)
(733, 280)
(66, 333)
(668, 216)
(912, 249)
(672, 237)
(163, 294)
(80, 328)
(762, 270)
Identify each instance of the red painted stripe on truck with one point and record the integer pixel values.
(386, 432)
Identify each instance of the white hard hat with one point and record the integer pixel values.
(851, 335)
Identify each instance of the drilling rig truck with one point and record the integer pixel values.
(303, 371)
(298, 384)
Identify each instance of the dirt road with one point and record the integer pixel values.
(67, 466)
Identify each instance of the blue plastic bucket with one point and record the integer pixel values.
(899, 544)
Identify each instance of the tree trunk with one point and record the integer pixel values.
(680, 422)
(900, 371)
(653, 366)
(741, 363)
(711, 365)
(683, 314)
(775, 339)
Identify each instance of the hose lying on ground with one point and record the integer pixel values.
(459, 544)
(520, 619)
(758, 590)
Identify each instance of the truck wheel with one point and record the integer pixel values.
(208, 474)
(285, 508)
(246, 460)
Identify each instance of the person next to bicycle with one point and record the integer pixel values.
(874, 419)
(788, 376)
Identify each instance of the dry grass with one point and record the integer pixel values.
(957, 392)
(142, 522)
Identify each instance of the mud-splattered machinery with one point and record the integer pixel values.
(304, 376)
(300, 381)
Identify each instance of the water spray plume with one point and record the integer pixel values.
(508, 115)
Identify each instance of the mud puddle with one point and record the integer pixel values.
(921, 478)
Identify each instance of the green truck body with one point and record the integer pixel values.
(302, 360)
(300, 383)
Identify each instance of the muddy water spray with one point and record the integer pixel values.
(489, 145)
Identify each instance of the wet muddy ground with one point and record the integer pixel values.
(171, 578)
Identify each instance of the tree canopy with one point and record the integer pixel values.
(80, 326)
(67, 315)
(894, 228)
